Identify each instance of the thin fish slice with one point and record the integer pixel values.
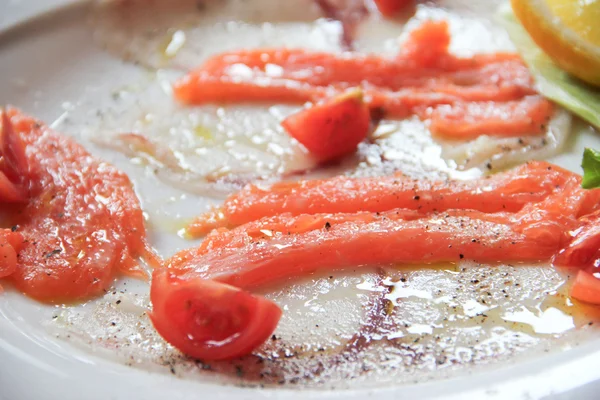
(82, 222)
(508, 191)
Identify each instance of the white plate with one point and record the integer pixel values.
(51, 69)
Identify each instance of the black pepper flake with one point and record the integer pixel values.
(52, 253)
(417, 197)
(239, 371)
(461, 256)
(402, 279)
(14, 228)
(273, 337)
(327, 225)
(118, 301)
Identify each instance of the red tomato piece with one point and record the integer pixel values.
(390, 8)
(210, 320)
(586, 288)
(332, 129)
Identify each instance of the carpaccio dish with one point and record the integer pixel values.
(73, 223)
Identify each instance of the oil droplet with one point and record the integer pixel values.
(174, 44)
(203, 132)
(550, 321)
(420, 329)
(399, 292)
(473, 308)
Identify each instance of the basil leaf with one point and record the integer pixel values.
(591, 169)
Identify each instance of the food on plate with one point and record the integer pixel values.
(426, 256)
(210, 320)
(350, 13)
(390, 8)
(584, 251)
(275, 248)
(470, 120)
(10, 244)
(591, 169)
(14, 187)
(552, 81)
(464, 97)
(332, 129)
(567, 31)
(80, 219)
(509, 191)
(586, 287)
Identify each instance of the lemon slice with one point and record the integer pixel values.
(567, 30)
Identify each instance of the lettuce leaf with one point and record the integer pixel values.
(551, 81)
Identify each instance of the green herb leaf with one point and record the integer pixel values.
(591, 169)
(551, 81)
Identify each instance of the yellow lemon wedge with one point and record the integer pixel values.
(567, 30)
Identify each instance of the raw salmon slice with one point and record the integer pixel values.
(81, 223)
(508, 191)
(13, 165)
(10, 245)
(422, 79)
(469, 120)
(285, 246)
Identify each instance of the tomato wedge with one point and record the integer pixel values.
(586, 288)
(210, 320)
(332, 129)
(389, 8)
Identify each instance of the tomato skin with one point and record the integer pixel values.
(586, 288)
(389, 8)
(331, 129)
(209, 320)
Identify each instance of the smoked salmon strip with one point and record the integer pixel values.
(508, 191)
(81, 221)
(326, 69)
(274, 249)
(463, 96)
(464, 121)
(10, 245)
